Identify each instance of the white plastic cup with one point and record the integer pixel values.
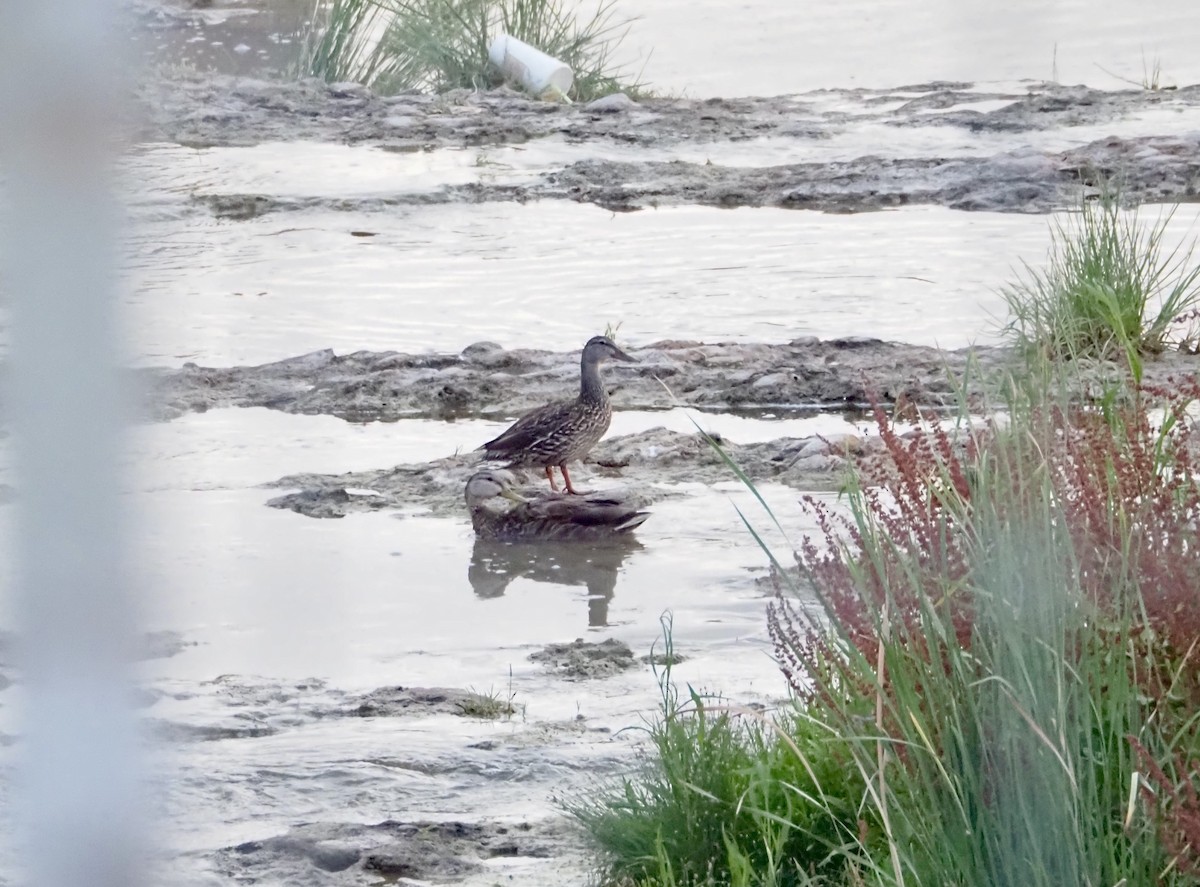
(530, 67)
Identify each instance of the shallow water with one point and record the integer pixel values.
(545, 274)
(763, 48)
(337, 597)
(270, 598)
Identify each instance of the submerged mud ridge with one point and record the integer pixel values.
(1152, 170)
(1156, 170)
(487, 380)
(217, 111)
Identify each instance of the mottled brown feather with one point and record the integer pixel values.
(563, 431)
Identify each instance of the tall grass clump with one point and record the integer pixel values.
(728, 797)
(1009, 640)
(1111, 288)
(439, 45)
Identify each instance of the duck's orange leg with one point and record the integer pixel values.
(567, 480)
(550, 477)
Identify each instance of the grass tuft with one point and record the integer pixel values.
(440, 45)
(1110, 288)
(489, 706)
(727, 797)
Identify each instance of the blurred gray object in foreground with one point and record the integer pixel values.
(75, 801)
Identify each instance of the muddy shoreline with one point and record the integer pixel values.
(221, 111)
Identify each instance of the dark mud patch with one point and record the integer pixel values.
(1155, 170)
(390, 702)
(1152, 169)
(200, 109)
(485, 380)
(175, 732)
(584, 660)
(211, 110)
(387, 852)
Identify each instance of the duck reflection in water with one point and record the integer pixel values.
(495, 564)
(549, 537)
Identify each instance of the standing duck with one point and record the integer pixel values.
(565, 430)
(594, 517)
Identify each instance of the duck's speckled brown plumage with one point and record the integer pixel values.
(563, 431)
(499, 514)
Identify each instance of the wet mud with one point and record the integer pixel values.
(582, 660)
(218, 111)
(634, 466)
(485, 380)
(388, 852)
(421, 849)
(390, 702)
(488, 381)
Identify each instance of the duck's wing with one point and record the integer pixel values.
(595, 510)
(531, 428)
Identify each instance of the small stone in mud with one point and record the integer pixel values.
(582, 659)
(322, 503)
(477, 350)
(618, 101)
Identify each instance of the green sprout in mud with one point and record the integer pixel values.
(440, 45)
(490, 706)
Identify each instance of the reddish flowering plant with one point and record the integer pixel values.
(905, 545)
(1176, 805)
(1122, 481)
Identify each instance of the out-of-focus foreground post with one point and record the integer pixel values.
(75, 795)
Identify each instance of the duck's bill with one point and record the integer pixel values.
(513, 495)
(621, 355)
